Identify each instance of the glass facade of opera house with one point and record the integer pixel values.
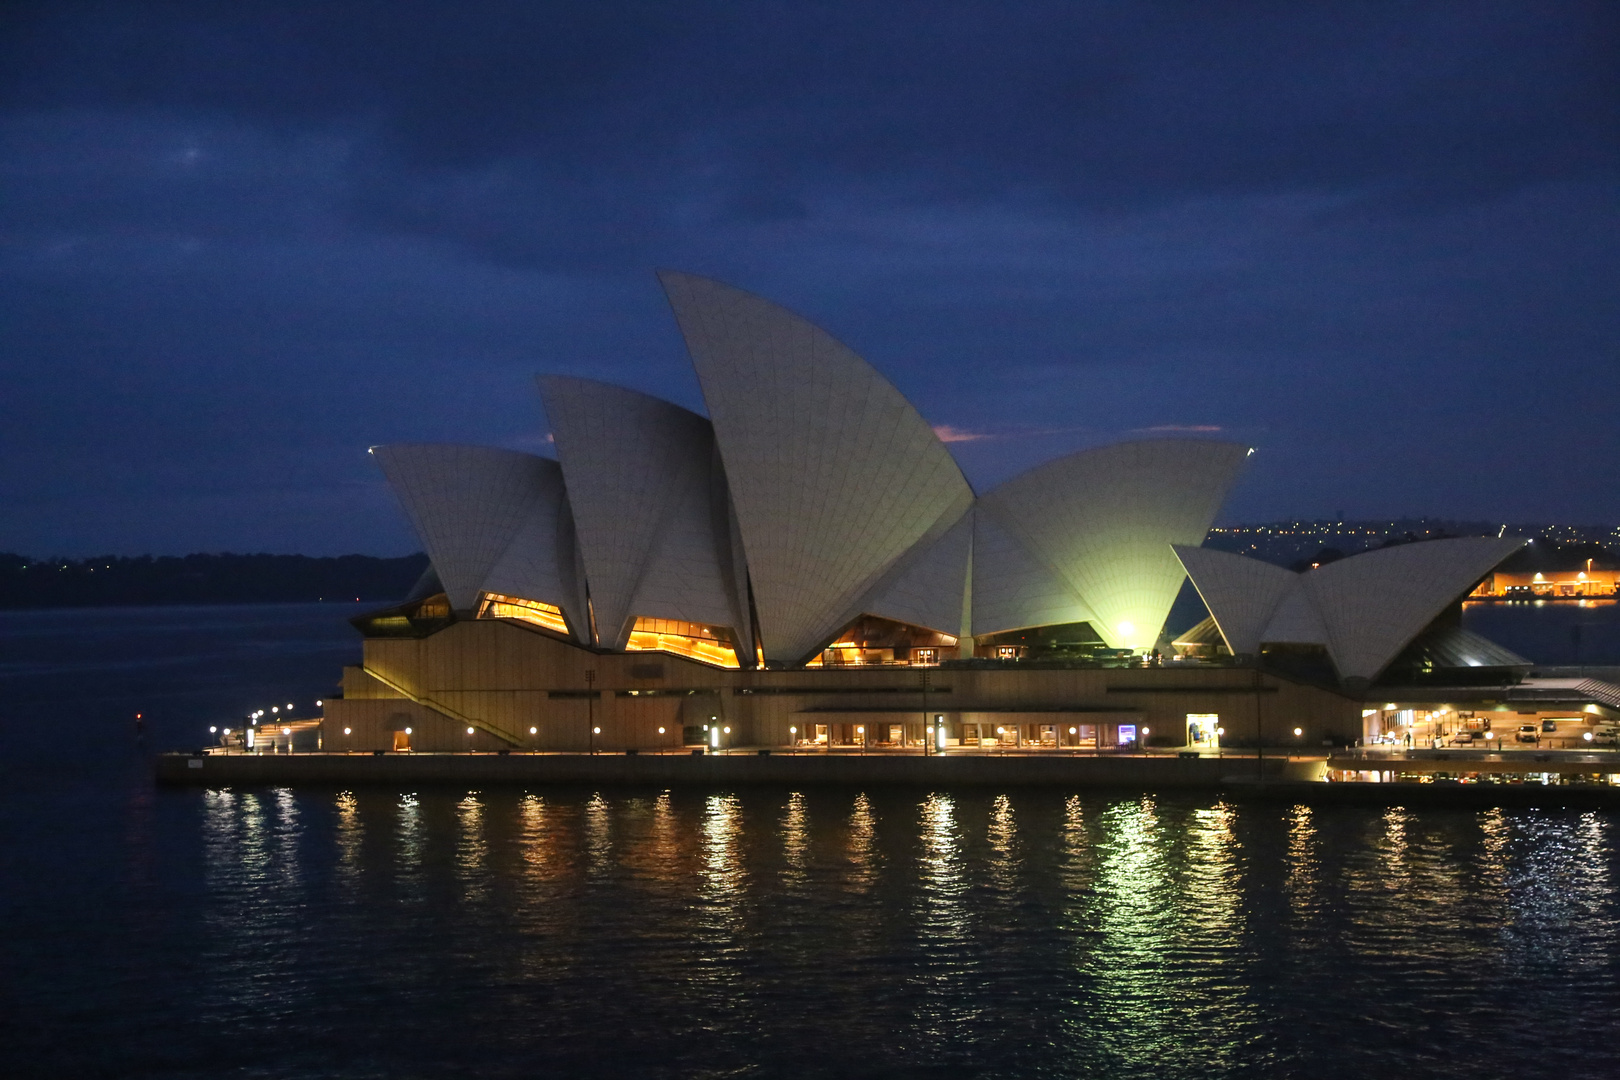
(806, 567)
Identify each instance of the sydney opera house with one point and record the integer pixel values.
(808, 567)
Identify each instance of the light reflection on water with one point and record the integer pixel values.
(598, 834)
(862, 845)
(371, 933)
(1304, 863)
(942, 917)
(827, 934)
(471, 850)
(409, 848)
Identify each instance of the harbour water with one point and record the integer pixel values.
(821, 933)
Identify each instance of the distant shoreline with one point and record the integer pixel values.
(203, 579)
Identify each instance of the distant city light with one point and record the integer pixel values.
(212, 729)
(533, 731)
(469, 731)
(596, 731)
(345, 731)
(1298, 732)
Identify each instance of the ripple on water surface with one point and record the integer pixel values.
(819, 933)
(835, 933)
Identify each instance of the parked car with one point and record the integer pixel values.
(1549, 727)
(1526, 733)
(1606, 735)
(1462, 738)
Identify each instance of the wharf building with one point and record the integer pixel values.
(807, 567)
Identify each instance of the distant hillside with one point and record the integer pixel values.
(203, 579)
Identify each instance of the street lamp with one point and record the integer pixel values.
(590, 705)
(925, 673)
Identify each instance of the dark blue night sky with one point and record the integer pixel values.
(240, 242)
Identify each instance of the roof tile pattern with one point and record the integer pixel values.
(1104, 521)
(542, 562)
(833, 474)
(1012, 589)
(1375, 603)
(467, 504)
(654, 541)
(1296, 620)
(1364, 609)
(929, 586)
(1241, 594)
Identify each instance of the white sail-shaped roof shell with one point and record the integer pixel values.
(650, 508)
(929, 587)
(1241, 594)
(1364, 609)
(1375, 603)
(833, 474)
(1012, 589)
(468, 504)
(1103, 521)
(543, 562)
(1296, 621)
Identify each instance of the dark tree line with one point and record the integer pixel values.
(203, 579)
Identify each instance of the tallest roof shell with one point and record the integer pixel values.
(833, 473)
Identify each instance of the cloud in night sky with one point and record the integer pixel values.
(240, 243)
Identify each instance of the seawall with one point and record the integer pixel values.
(740, 767)
(1295, 780)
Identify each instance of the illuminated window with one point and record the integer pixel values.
(695, 641)
(848, 652)
(496, 606)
